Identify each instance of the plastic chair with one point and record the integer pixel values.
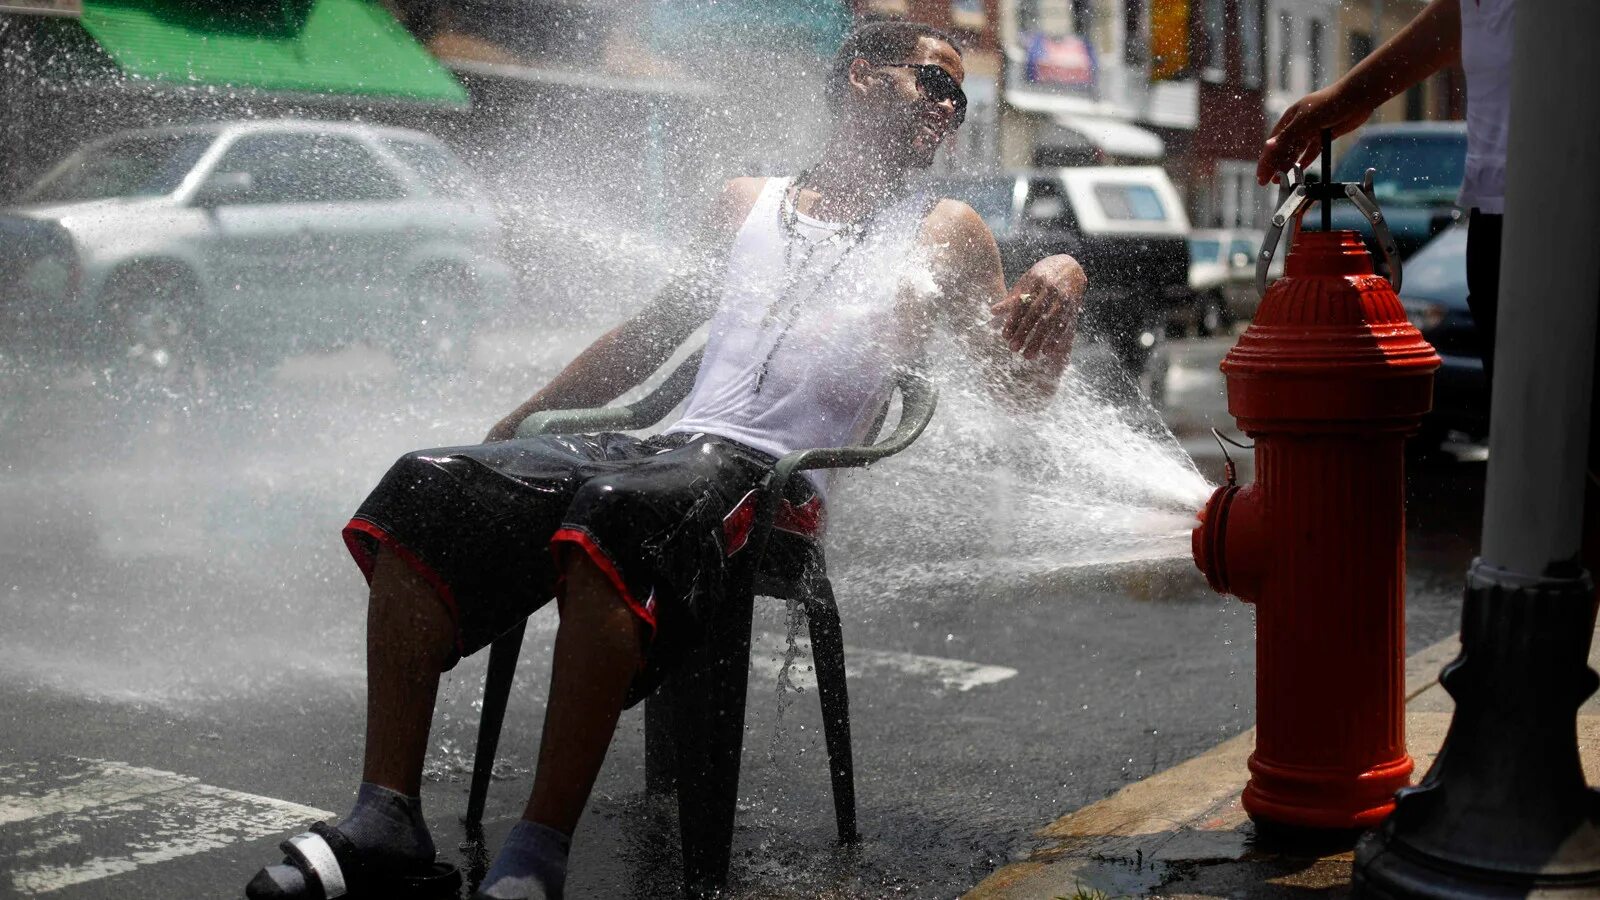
(694, 723)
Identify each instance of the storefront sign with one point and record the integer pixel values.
(72, 8)
(1066, 61)
(1169, 39)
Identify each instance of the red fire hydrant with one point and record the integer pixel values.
(1329, 379)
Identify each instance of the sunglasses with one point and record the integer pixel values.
(937, 86)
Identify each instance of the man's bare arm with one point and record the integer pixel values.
(623, 357)
(1021, 341)
(1425, 45)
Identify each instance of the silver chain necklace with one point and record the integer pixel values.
(850, 234)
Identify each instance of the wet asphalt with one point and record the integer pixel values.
(175, 598)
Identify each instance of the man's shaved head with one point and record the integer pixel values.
(878, 42)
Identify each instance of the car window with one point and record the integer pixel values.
(134, 166)
(442, 171)
(1204, 251)
(990, 198)
(1439, 270)
(1410, 168)
(1125, 202)
(1045, 204)
(309, 168)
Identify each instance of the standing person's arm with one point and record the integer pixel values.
(1427, 44)
(624, 356)
(1022, 341)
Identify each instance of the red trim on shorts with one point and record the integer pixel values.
(805, 520)
(367, 561)
(736, 525)
(602, 561)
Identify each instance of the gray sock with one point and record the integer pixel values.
(386, 823)
(389, 824)
(532, 864)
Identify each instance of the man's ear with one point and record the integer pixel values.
(859, 76)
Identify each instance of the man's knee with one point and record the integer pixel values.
(399, 591)
(594, 610)
(589, 591)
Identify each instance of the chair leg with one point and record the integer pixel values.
(660, 758)
(827, 649)
(496, 690)
(708, 725)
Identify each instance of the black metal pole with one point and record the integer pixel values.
(1327, 179)
(1505, 812)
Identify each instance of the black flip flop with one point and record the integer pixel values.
(333, 868)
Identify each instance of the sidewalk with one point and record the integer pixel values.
(1182, 833)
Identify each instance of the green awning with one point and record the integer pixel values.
(301, 46)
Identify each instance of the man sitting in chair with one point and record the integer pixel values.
(820, 285)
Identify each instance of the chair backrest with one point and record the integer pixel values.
(918, 398)
(641, 413)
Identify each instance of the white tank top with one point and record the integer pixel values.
(805, 340)
(1486, 28)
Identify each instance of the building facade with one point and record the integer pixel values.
(1365, 25)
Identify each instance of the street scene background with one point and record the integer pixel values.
(217, 339)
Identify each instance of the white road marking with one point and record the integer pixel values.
(767, 654)
(113, 783)
(165, 815)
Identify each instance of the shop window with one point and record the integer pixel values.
(1236, 200)
(1314, 54)
(1360, 47)
(1133, 34)
(1285, 46)
(1250, 49)
(1214, 55)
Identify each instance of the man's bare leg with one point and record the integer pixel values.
(410, 639)
(599, 648)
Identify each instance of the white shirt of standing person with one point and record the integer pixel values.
(1486, 28)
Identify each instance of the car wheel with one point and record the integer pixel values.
(439, 307)
(1426, 447)
(156, 330)
(1152, 376)
(1141, 350)
(1212, 316)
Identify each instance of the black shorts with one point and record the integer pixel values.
(489, 526)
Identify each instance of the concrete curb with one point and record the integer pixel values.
(1183, 833)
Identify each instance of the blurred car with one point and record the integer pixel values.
(1222, 277)
(39, 268)
(1419, 170)
(1435, 298)
(1124, 224)
(259, 237)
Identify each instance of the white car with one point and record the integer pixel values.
(266, 237)
(1222, 276)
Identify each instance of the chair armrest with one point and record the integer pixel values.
(641, 413)
(918, 400)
